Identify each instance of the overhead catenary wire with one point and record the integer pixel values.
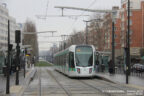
(91, 4)
(47, 7)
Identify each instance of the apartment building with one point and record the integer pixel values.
(13, 27)
(136, 25)
(3, 26)
(4, 17)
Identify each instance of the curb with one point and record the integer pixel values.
(106, 79)
(116, 82)
(134, 86)
(50, 63)
(29, 77)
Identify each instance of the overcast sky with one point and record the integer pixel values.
(23, 9)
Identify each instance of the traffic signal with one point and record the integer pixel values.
(17, 36)
(10, 47)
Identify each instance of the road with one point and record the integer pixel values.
(49, 82)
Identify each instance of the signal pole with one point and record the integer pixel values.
(8, 64)
(113, 47)
(17, 40)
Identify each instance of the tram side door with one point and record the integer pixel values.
(71, 61)
(67, 63)
(96, 65)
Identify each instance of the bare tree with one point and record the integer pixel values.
(97, 31)
(31, 39)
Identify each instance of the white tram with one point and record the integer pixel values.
(76, 61)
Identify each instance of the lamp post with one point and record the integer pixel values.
(113, 45)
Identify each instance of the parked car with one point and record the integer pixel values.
(138, 67)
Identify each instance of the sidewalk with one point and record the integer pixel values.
(15, 90)
(12, 81)
(121, 78)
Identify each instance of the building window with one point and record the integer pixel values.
(115, 28)
(115, 44)
(129, 22)
(129, 13)
(131, 5)
(131, 32)
(115, 36)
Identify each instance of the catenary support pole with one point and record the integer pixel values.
(113, 47)
(128, 45)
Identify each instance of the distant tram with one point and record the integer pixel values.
(76, 61)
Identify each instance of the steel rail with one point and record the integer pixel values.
(106, 94)
(66, 91)
(39, 82)
(113, 85)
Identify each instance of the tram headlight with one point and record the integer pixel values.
(90, 70)
(78, 70)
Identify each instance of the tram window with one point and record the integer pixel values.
(65, 59)
(71, 60)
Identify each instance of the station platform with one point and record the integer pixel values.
(121, 78)
(16, 90)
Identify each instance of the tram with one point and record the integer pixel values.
(76, 61)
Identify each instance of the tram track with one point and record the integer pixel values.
(39, 83)
(114, 86)
(89, 85)
(101, 88)
(101, 91)
(66, 91)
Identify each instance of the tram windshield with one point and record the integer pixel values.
(84, 56)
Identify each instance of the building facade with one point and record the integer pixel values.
(4, 17)
(136, 25)
(3, 26)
